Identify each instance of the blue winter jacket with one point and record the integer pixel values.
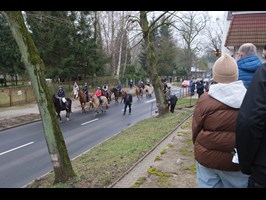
(247, 67)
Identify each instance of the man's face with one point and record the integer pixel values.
(264, 53)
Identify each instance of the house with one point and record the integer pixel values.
(244, 27)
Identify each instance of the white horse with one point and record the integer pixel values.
(148, 90)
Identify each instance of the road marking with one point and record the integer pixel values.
(89, 122)
(150, 101)
(15, 148)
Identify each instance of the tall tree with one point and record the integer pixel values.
(10, 63)
(54, 34)
(167, 51)
(190, 25)
(54, 138)
(149, 41)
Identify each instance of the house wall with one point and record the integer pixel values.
(231, 50)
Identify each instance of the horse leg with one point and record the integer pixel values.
(83, 108)
(67, 115)
(59, 116)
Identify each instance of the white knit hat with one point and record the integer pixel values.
(225, 70)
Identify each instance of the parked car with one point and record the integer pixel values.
(185, 83)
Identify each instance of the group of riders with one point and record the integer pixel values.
(104, 91)
(101, 91)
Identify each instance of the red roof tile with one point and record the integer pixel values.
(247, 28)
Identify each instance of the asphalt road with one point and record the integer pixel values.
(24, 154)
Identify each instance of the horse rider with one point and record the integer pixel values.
(141, 87)
(105, 89)
(119, 87)
(61, 96)
(98, 94)
(131, 83)
(75, 90)
(85, 91)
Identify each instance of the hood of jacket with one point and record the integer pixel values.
(231, 94)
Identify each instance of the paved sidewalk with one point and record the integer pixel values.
(15, 111)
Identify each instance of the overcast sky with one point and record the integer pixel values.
(217, 14)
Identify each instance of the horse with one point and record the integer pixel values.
(82, 99)
(107, 94)
(61, 106)
(117, 94)
(139, 92)
(96, 103)
(148, 90)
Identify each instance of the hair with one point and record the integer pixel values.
(264, 47)
(248, 49)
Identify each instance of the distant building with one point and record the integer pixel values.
(199, 73)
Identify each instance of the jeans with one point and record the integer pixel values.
(214, 178)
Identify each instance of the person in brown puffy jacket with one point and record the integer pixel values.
(214, 128)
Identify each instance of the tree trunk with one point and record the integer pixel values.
(120, 47)
(35, 67)
(147, 35)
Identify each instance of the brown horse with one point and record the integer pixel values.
(96, 103)
(139, 92)
(117, 94)
(82, 100)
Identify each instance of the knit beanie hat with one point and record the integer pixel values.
(225, 70)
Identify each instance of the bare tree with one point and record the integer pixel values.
(147, 30)
(190, 24)
(109, 23)
(34, 65)
(214, 33)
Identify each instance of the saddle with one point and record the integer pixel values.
(100, 100)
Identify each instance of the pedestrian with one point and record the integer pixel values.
(128, 99)
(173, 100)
(168, 95)
(192, 87)
(200, 88)
(251, 130)
(247, 62)
(214, 126)
(263, 55)
(75, 90)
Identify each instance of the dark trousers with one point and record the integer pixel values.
(129, 107)
(172, 108)
(253, 184)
